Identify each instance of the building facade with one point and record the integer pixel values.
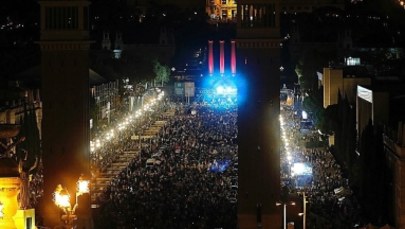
(226, 10)
(394, 147)
(371, 104)
(298, 6)
(106, 98)
(12, 110)
(335, 81)
(223, 10)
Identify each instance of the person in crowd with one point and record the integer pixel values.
(190, 187)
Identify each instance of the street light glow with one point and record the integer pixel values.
(83, 186)
(61, 197)
(108, 136)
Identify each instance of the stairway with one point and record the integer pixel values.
(103, 180)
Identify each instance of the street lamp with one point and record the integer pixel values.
(304, 214)
(285, 211)
(83, 186)
(61, 198)
(284, 201)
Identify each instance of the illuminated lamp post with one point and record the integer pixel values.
(304, 214)
(284, 201)
(9, 189)
(61, 198)
(285, 211)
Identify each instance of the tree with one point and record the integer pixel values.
(162, 72)
(311, 61)
(372, 162)
(313, 103)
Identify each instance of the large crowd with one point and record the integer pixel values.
(328, 193)
(192, 183)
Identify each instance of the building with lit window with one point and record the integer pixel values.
(226, 10)
(106, 96)
(222, 10)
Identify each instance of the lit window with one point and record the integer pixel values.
(353, 61)
(117, 53)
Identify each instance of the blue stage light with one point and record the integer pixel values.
(220, 90)
(224, 90)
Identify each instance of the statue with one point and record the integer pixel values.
(8, 132)
(25, 182)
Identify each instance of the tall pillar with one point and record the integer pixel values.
(210, 57)
(258, 43)
(233, 57)
(221, 57)
(64, 44)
